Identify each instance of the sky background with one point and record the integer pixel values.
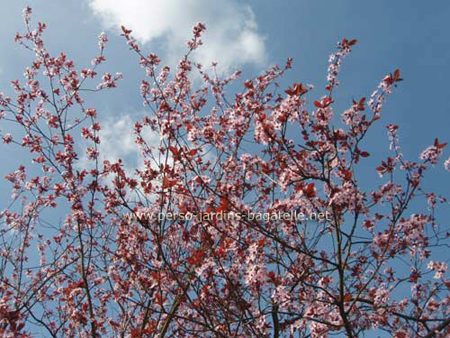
(252, 36)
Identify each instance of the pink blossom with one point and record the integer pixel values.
(7, 138)
(447, 164)
(439, 267)
(102, 40)
(431, 154)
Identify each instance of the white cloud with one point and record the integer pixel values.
(117, 141)
(232, 36)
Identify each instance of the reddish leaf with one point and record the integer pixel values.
(296, 90)
(126, 31)
(347, 298)
(310, 190)
(348, 174)
(396, 76)
(174, 150)
(223, 206)
(439, 146)
(167, 183)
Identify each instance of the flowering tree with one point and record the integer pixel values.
(176, 248)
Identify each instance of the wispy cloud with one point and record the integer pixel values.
(232, 36)
(117, 141)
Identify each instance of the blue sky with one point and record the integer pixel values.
(252, 35)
